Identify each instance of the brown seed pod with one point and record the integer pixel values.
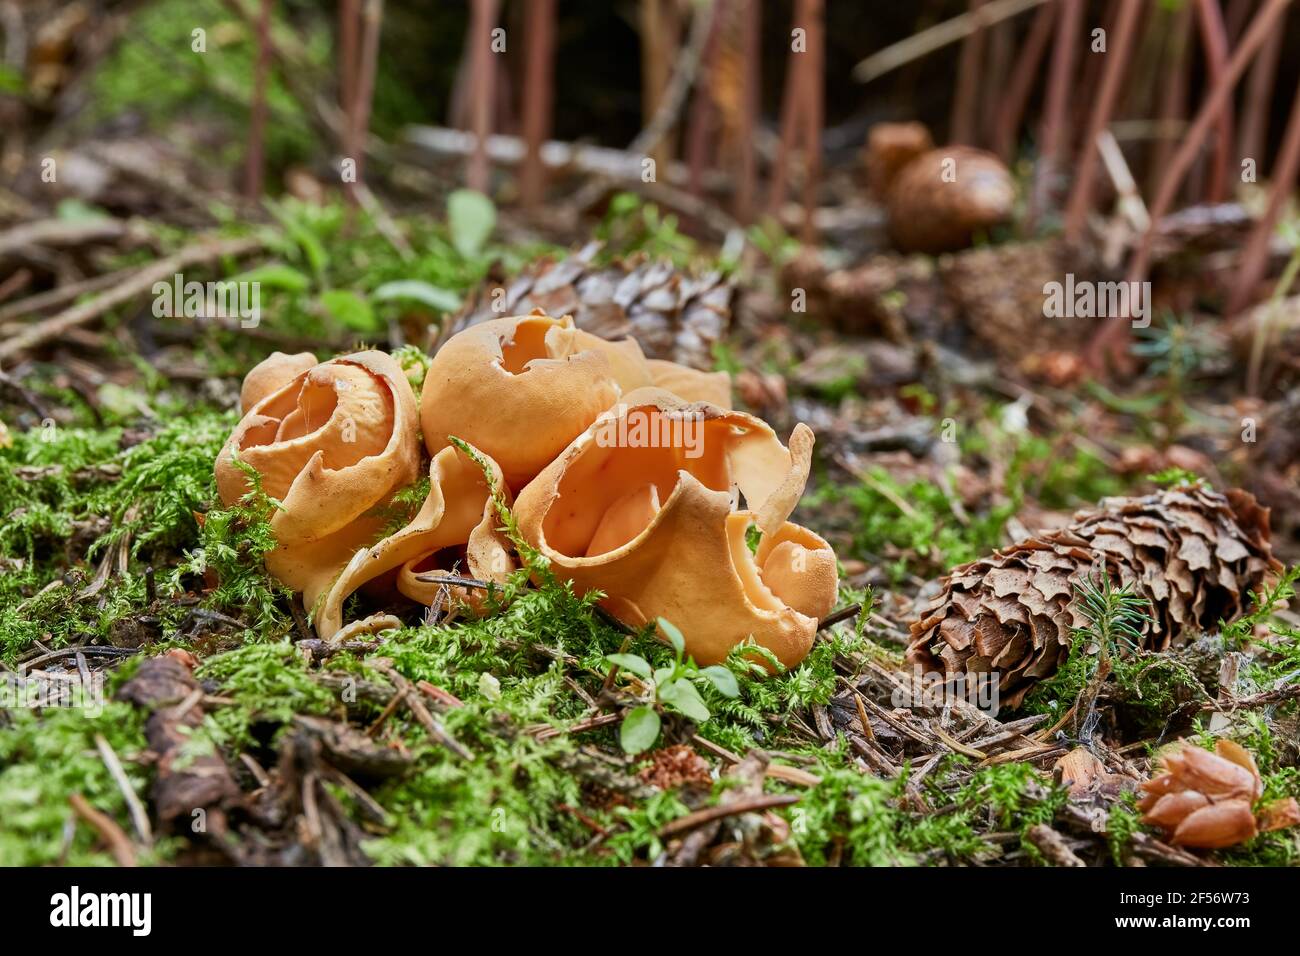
(1206, 800)
(890, 147)
(941, 199)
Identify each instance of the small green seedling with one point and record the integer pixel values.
(672, 687)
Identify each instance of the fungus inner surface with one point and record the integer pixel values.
(611, 492)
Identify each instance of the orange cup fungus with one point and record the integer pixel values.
(630, 477)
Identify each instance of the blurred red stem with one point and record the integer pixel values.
(1052, 140)
(538, 98)
(751, 13)
(1119, 45)
(703, 115)
(1173, 99)
(1259, 89)
(1254, 260)
(257, 112)
(961, 125)
(1113, 338)
(1214, 40)
(364, 91)
(1022, 81)
(483, 17)
(814, 93)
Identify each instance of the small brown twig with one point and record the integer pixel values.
(139, 818)
(589, 723)
(1266, 699)
(118, 843)
(415, 705)
(748, 805)
(843, 614)
(205, 250)
(1052, 845)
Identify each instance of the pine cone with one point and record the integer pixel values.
(941, 199)
(1191, 552)
(673, 315)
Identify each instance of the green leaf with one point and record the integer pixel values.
(722, 679)
(489, 686)
(350, 309)
(635, 663)
(663, 675)
(417, 290)
(640, 730)
(674, 636)
(11, 81)
(682, 696)
(301, 235)
(276, 275)
(471, 217)
(75, 210)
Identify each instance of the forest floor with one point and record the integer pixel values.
(951, 420)
(293, 750)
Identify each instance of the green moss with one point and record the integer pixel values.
(46, 758)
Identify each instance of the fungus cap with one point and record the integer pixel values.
(330, 445)
(459, 511)
(521, 388)
(640, 507)
(270, 375)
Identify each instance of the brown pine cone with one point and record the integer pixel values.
(673, 315)
(1192, 552)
